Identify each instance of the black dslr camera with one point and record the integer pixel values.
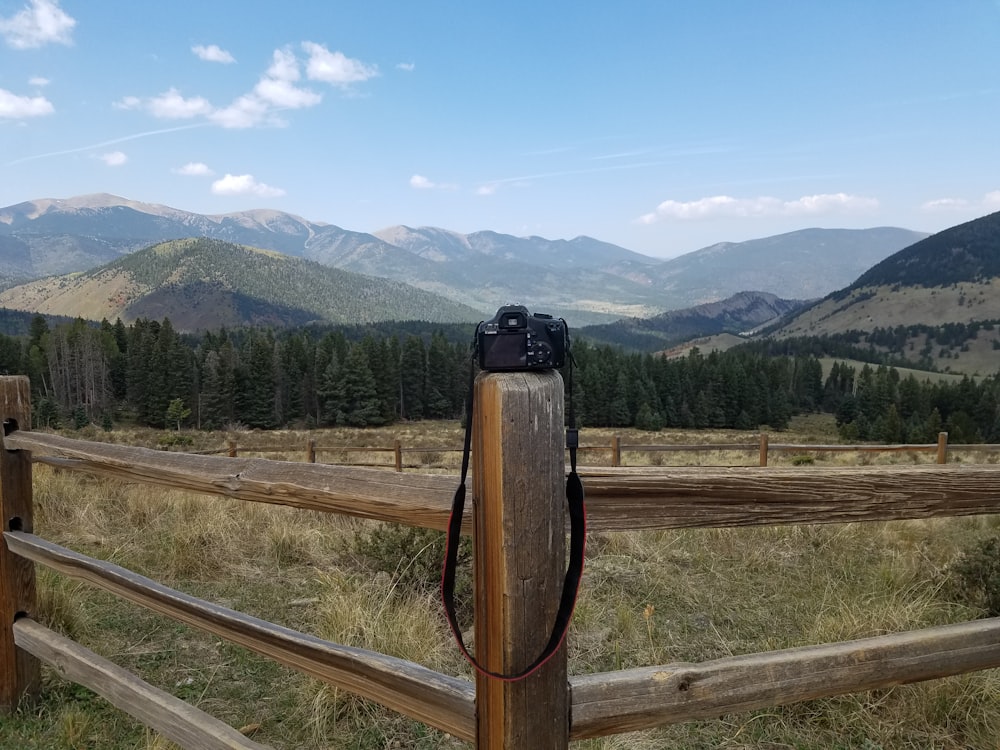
(517, 340)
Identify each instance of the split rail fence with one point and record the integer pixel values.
(517, 521)
(762, 446)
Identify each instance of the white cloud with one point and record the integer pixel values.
(408, 67)
(989, 202)
(194, 169)
(213, 53)
(113, 158)
(335, 67)
(486, 190)
(172, 106)
(14, 107)
(419, 182)
(277, 87)
(39, 81)
(40, 22)
(945, 204)
(244, 184)
(245, 112)
(762, 206)
(276, 90)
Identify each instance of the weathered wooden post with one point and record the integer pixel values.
(397, 449)
(311, 451)
(616, 450)
(763, 449)
(519, 481)
(942, 449)
(20, 673)
(232, 447)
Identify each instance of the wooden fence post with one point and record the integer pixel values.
(397, 449)
(616, 450)
(20, 672)
(311, 451)
(763, 449)
(232, 448)
(519, 543)
(942, 451)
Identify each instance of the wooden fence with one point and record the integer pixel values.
(518, 429)
(762, 447)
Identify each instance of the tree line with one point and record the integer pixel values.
(148, 373)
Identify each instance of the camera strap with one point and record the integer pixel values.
(578, 535)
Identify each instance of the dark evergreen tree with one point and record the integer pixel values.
(413, 378)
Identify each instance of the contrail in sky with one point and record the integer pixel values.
(103, 144)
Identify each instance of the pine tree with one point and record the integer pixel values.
(413, 378)
(361, 406)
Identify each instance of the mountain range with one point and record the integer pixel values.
(934, 301)
(582, 279)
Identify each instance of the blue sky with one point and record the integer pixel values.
(659, 126)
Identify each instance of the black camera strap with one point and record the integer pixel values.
(578, 535)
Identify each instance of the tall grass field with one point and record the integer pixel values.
(647, 598)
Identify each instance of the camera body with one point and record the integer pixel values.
(514, 339)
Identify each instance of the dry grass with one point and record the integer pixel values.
(647, 598)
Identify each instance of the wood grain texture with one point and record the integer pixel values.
(412, 499)
(20, 672)
(617, 499)
(183, 724)
(697, 497)
(616, 702)
(420, 693)
(519, 550)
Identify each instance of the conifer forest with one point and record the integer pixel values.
(149, 374)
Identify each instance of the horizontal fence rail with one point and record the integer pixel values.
(440, 701)
(617, 499)
(649, 697)
(762, 446)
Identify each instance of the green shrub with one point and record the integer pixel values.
(174, 440)
(976, 576)
(414, 556)
(803, 459)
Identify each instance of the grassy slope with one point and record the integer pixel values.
(205, 274)
(647, 598)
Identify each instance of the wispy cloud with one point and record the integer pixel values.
(989, 202)
(244, 184)
(39, 81)
(213, 53)
(103, 144)
(170, 105)
(41, 22)
(763, 206)
(113, 158)
(194, 169)
(14, 107)
(407, 66)
(419, 182)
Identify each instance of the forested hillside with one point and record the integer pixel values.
(967, 252)
(149, 374)
(204, 284)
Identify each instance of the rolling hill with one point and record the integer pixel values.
(936, 302)
(205, 284)
(737, 315)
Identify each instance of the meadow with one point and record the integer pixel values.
(647, 598)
